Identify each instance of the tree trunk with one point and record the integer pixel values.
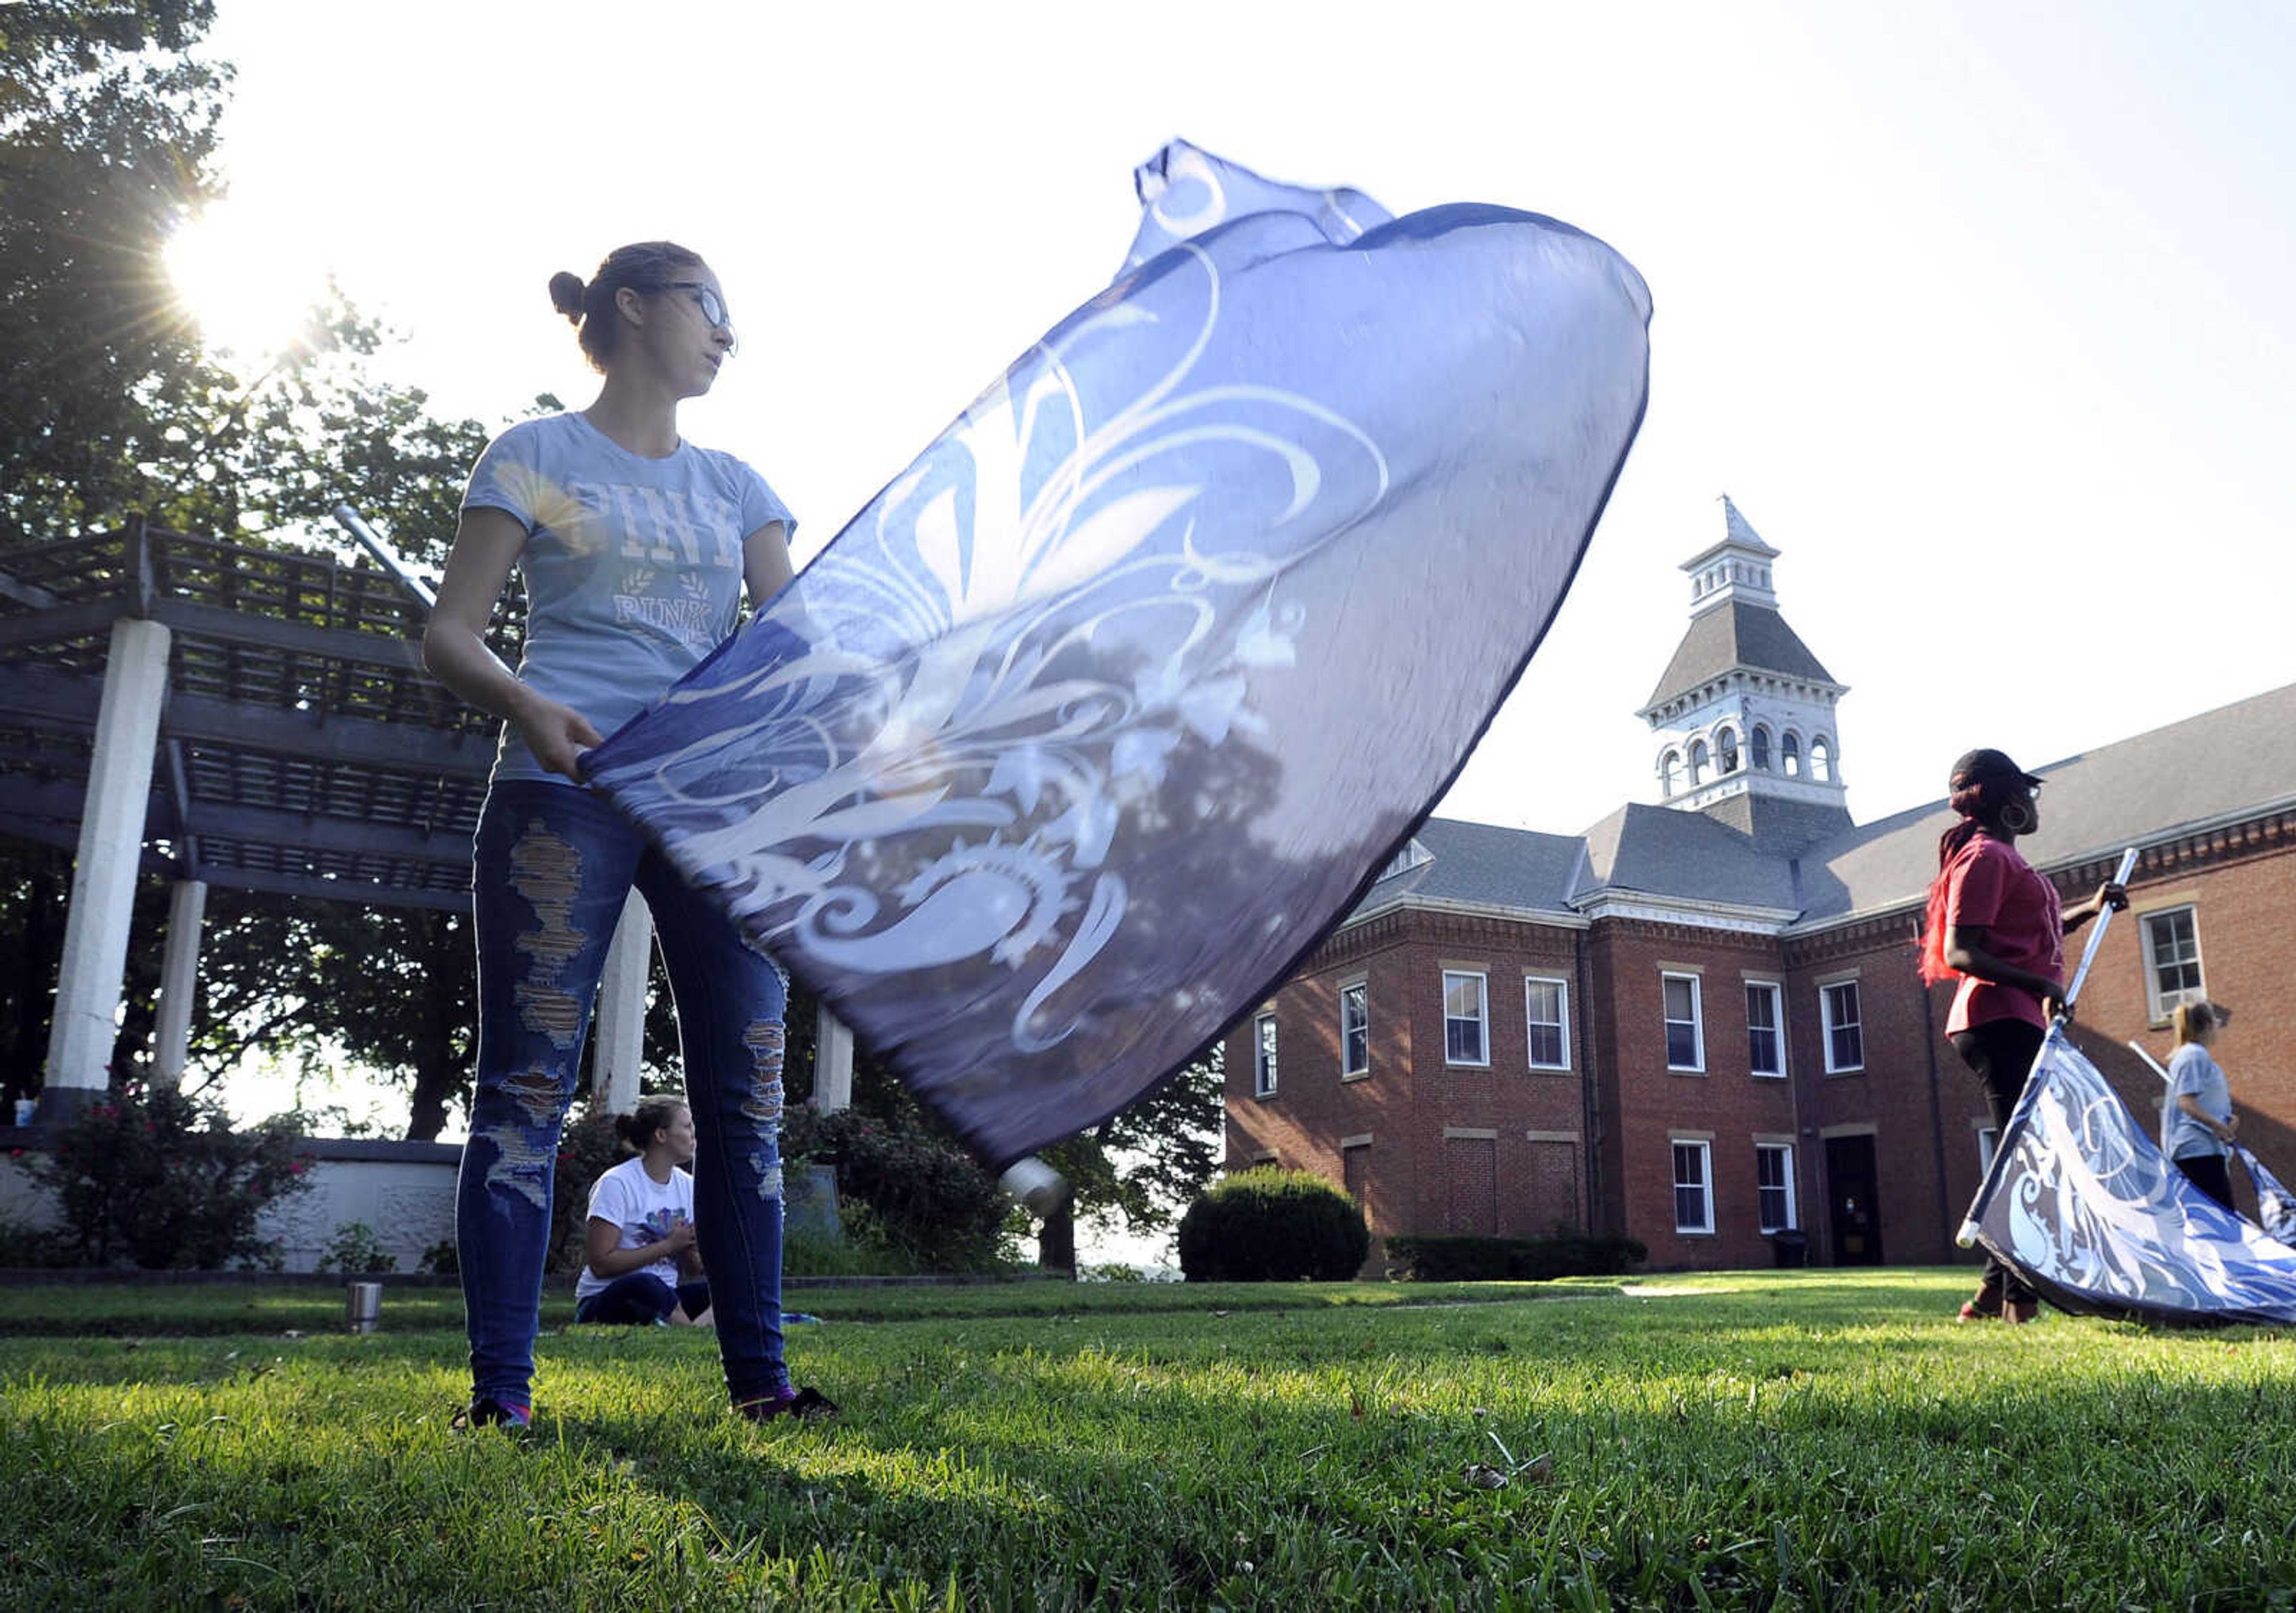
(436, 1069)
(426, 1115)
(1056, 1242)
(40, 951)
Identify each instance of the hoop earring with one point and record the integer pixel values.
(2016, 817)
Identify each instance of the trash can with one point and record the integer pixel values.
(1791, 1246)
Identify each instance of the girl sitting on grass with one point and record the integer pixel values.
(643, 1268)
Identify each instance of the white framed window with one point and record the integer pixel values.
(1697, 762)
(2172, 960)
(1790, 755)
(1355, 1028)
(1821, 759)
(1766, 1036)
(1263, 1056)
(1685, 1040)
(1670, 773)
(1546, 1013)
(1466, 1017)
(1774, 1185)
(1760, 747)
(1845, 1031)
(1725, 750)
(1693, 1194)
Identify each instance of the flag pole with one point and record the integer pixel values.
(350, 521)
(1967, 1235)
(2096, 937)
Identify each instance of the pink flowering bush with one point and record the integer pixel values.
(159, 1179)
(586, 1149)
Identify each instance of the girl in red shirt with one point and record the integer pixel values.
(1995, 927)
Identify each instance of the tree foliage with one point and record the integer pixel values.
(107, 132)
(1137, 1169)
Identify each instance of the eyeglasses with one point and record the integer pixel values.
(705, 298)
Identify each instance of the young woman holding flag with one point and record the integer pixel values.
(1995, 928)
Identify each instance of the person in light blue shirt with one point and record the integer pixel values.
(636, 547)
(2196, 1119)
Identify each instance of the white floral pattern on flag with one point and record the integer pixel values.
(2083, 1203)
(1079, 736)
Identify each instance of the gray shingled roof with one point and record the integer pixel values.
(1666, 852)
(2236, 759)
(1735, 634)
(2230, 762)
(1480, 866)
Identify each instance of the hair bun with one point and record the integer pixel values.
(566, 294)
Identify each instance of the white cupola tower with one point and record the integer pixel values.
(1744, 721)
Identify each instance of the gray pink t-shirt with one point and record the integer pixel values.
(632, 565)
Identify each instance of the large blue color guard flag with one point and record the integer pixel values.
(2081, 1200)
(1094, 721)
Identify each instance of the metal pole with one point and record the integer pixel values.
(349, 520)
(2097, 936)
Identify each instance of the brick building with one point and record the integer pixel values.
(1698, 1022)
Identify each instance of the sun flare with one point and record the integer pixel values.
(243, 281)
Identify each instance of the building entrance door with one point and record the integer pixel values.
(1849, 1182)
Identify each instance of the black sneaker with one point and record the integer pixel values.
(494, 1413)
(804, 1406)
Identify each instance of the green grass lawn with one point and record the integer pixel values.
(1816, 1438)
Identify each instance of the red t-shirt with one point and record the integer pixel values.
(1988, 887)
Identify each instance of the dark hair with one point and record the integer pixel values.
(1976, 802)
(638, 1127)
(646, 266)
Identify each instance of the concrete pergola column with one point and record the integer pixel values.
(621, 1010)
(104, 871)
(832, 1062)
(179, 978)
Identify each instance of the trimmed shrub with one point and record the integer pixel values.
(1271, 1225)
(160, 1179)
(1447, 1257)
(906, 1187)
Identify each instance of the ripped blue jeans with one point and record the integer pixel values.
(552, 865)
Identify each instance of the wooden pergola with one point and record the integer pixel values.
(301, 747)
(251, 718)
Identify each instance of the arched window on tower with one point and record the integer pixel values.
(1790, 755)
(1697, 762)
(1761, 749)
(1669, 774)
(1821, 760)
(1726, 747)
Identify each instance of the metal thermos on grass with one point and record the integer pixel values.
(365, 1306)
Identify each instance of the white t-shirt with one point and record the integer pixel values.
(643, 1211)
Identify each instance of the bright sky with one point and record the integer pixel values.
(1946, 295)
